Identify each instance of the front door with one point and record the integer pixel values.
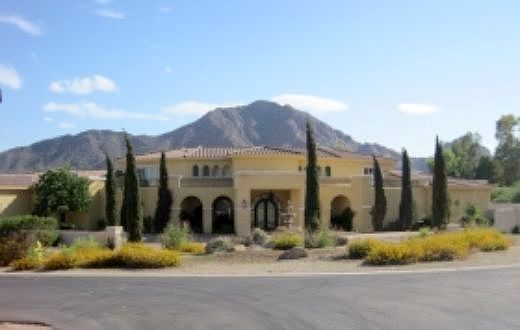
(266, 214)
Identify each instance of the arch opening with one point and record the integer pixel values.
(191, 212)
(341, 214)
(223, 216)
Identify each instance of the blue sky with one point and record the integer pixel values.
(391, 72)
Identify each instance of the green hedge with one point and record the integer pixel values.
(43, 229)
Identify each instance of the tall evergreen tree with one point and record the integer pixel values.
(312, 187)
(164, 198)
(406, 205)
(131, 210)
(379, 208)
(440, 206)
(110, 194)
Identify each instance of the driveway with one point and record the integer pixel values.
(472, 299)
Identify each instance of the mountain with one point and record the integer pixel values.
(259, 123)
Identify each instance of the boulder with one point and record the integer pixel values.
(294, 253)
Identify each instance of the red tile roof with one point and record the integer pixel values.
(203, 152)
(28, 179)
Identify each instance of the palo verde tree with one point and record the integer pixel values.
(379, 208)
(131, 209)
(406, 205)
(440, 201)
(312, 187)
(164, 198)
(110, 194)
(60, 191)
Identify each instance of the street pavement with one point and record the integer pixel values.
(473, 299)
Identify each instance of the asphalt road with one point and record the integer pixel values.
(477, 299)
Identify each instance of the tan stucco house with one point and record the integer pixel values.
(236, 189)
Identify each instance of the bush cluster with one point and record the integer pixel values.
(219, 244)
(287, 240)
(192, 247)
(436, 247)
(359, 248)
(175, 236)
(90, 254)
(19, 233)
(320, 239)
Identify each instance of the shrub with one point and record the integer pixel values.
(384, 253)
(320, 239)
(12, 247)
(486, 239)
(32, 260)
(193, 247)
(62, 259)
(219, 244)
(138, 255)
(43, 229)
(131, 255)
(441, 247)
(288, 240)
(259, 236)
(425, 231)
(515, 230)
(360, 248)
(174, 236)
(473, 216)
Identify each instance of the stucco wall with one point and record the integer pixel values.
(16, 201)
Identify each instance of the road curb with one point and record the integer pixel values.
(260, 275)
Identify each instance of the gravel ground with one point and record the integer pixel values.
(331, 260)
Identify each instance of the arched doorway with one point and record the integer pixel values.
(223, 220)
(341, 215)
(191, 211)
(266, 213)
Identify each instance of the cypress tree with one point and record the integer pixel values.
(406, 206)
(379, 209)
(164, 198)
(440, 207)
(131, 211)
(110, 194)
(312, 187)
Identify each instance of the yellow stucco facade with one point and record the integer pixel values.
(263, 186)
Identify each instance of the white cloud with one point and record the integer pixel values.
(310, 103)
(168, 70)
(21, 23)
(48, 119)
(92, 110)
(9, 77)
(84, 85)
(417, 108)
(103, 2)
(66, 125)
(193, 108)
(110, 14)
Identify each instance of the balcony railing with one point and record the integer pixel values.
(333, 180)
(206, 182)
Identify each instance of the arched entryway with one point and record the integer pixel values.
(191, 211)
(223, 220)
(266, 213)
(341, 215)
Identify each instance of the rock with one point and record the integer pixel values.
(341, 241)
(239, 248)
(294, 253)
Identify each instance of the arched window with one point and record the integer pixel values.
(205, 170)
(215, 170)
(327, 171)
(195, 170)
(320, 171)
(226, 171)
